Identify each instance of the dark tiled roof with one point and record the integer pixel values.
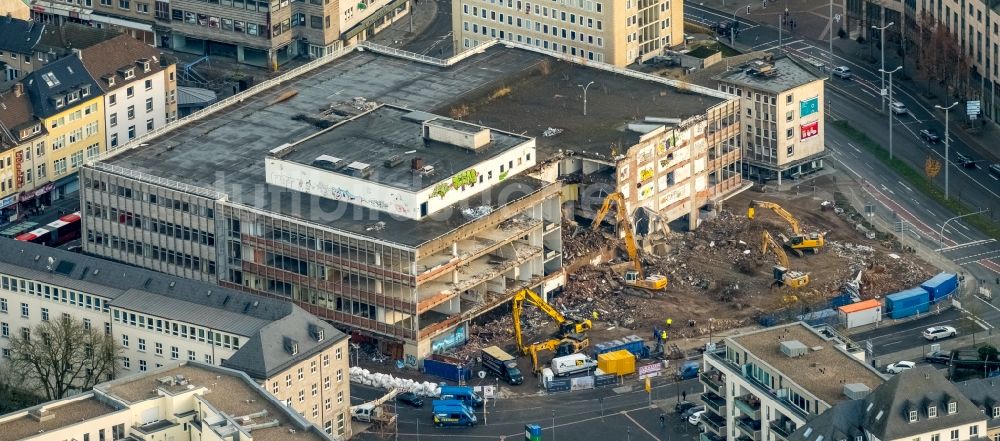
(18, 35)
(111, 57)
(15, 111)
(60, 39)
(264, 354)
(985, 395)
(55, 80)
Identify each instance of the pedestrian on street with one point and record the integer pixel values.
(663, 420)
(684, 395)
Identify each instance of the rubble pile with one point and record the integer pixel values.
(387, 381)
(580, 241)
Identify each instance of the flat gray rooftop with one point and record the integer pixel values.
(790, 75)
(396, 132)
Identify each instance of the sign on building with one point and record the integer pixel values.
(808, 106)
(650, 370)
(808, 130)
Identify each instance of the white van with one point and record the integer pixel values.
(571, 364)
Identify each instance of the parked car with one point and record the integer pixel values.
(695, 418)
(939, 357)
(898, 108)
(842, 72)
(964, 161)
(683, 406)
(939, 332)
(692, 411)
(899, 366)
(929, 135)
(411, 399)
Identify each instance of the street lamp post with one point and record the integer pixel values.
(890, 110)
(881, 32)
(732, 34)
(585, 96)
(947, 144)
(553, 425)
(945, 224)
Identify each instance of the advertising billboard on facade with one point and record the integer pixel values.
(808, 130)
(808, 106)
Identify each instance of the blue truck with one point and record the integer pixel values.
(941, 286)
(688, 370)
(449, 368)
(906, 303)
(451, 413)
(464, 394)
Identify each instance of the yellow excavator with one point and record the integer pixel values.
(782, 275)
(636, 277)
(799, 240)
(572, 332)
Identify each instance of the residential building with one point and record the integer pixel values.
(15, 8)
(140, 88)
(160, 319)
(917, 404)
(984, 393)
(18, 38)
(183, 400)
(765, 384)
(782, 121)
(614, 32)
(56, 121)
(262, 33)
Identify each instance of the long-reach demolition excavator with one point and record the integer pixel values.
(799, 240)
(635, 277)
(572, 337)
(782, 275)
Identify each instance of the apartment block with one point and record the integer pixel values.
(160, 319)
(140, 89)
(984, 393)
(184, 400)
(619, 32)
(52, 121)
(782, 123)
(764, 385)
(918, 404)
(18, 38)
(262, 33)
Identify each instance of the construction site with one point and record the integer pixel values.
(718, 278)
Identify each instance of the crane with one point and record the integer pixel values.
(782, 275)
(566, 326)
(637, 276)
(569, 344)
(799, 241)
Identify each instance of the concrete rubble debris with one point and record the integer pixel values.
(551, 131)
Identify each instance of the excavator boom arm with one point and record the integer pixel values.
(623, 223)
(779, 211)
(767, 241)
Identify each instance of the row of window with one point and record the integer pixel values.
(49, 292)
(556, 15)
(191, 356)
(541, 28)
(129, 193)
(226, 24)
(586, 5)
(154, 252)
(168, 327)
(149, 223)
(544, 44)
(73, 116)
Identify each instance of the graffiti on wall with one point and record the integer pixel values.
(458, 181)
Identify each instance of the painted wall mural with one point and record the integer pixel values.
(458, 181)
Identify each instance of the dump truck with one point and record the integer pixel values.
(502, 364)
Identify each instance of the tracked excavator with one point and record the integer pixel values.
(782, 275)
(572, 337)
(799, 240)
(637, 276)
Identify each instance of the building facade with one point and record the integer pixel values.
(140, 90)
(18, 38)
(782, 120)
(159, 320)
(184, 400)
(614, 32)
(765, 384)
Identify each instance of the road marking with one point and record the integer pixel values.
(989, 255)
(918, 328)
(887, 189)
(639, 425)
(966, 245)
(904, 186)
(916, 202)
(855, 148)
(963, 226)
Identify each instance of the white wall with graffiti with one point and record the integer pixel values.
(478, 178)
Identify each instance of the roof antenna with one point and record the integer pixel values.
(51, 261)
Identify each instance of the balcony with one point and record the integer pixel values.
(782, 428)
(714, 402)
(713, 381)
(714, 423)
(749, 427)
(731, 368)
(749, 406)
(706, 436)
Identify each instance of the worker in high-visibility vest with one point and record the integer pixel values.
(595, 316)
(663, 335)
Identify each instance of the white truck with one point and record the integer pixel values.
(374, 412)
(571, 364)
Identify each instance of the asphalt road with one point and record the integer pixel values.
(436, 40)
(592, 414)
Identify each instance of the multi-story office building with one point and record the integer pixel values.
(782, 120)
(183, 400)
(55, 120)
(160, 319)
(618, 32)
(765, 384)
(18, 39)
(140, 89)
(264, 33)
(918, 404)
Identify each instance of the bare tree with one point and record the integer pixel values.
(63, 355)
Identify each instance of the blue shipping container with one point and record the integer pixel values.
(447, 370)
(906, 303)
(941, 286)
(632, 343)
(841, 300)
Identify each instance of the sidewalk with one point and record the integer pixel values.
(809, 20)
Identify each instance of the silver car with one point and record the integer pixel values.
(842, 72)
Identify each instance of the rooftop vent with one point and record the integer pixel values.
(316, 332)
(41, 415)
(417, 163)
(328, 162)
(291, 346)
(393, 161)
(456, 133)
(165, 381)
(359, 169)
(793, 348)
(761, 68)
(856, 391)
